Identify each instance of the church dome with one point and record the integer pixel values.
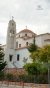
(27, 31)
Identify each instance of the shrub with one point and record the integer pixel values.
(1, 75)
(9, 77)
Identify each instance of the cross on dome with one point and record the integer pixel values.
(26, 27)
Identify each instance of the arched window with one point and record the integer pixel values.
(10, 57)
(25, 34)
(17, 44)
(26, 43)
(18, 57)
(19, 35)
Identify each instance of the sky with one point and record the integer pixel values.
(35, 14)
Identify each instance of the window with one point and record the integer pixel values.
(19, 45)
(26, 43)
(25, 34)
(17, 57)
(13, 32)
(19, 35)
(16, 44)
(12, 24)
(10, 57)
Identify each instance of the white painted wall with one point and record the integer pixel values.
(40, 40)
(23, 42)
(22, 34)
(23, 53)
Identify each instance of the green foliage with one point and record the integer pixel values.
(33, 47)
(1, 75)
(1, 54)
(2, 66)
(31, 68)
(2, 63)
(35, 56)
(35, 68)
(42, 55)
(9, 76)
(35, 78)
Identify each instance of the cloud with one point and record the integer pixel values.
(25, 12)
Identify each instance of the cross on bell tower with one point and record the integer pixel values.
(12, 17)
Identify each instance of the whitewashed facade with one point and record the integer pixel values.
(16, 52)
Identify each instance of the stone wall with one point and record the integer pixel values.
(15, 71)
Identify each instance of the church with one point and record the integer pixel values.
(16, 52)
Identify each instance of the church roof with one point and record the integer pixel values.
(43, 34)
(26, 30)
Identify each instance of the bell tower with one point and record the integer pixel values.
(11, 34)
(10, 43)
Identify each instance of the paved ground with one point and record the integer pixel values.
(15, 86)
(11, 85)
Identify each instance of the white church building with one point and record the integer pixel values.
(16, 52)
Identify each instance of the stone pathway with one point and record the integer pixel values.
(16, 86)
(6, 84)
(13, 86)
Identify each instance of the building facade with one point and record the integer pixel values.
(16, 52)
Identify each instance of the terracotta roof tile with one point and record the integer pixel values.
(27, 30)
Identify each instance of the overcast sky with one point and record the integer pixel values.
(35, 14)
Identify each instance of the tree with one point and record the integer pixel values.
(33, 47)
(41, 58)
(42, 55)
(2, 63)
(38, 68)
(32, 68)
(35, 68)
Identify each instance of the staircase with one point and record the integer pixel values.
(17, 64)
(14, 65)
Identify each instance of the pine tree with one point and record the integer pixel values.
(2, 63)
(33, 47)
